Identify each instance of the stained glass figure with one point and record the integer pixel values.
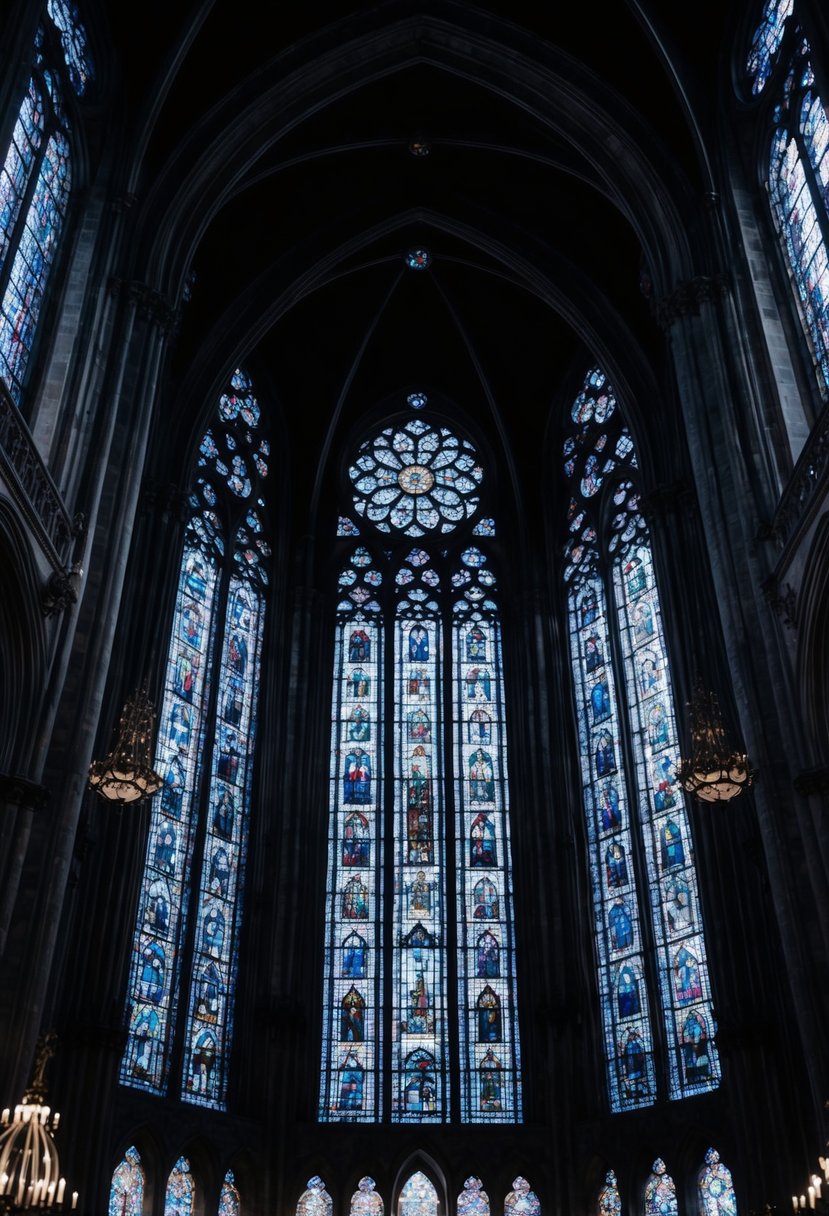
(715, 1187)
(521, 1200)
(126, 1193)
(660, 1192)
(314, 1200)
(638, 830)
(610, 1202)
(229, 1201)
(489, 1017)
(179, 1196)
(352, 1084)
(418, 1197)
(212, 674)
(473, 1199)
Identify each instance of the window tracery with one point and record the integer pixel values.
(415, 625)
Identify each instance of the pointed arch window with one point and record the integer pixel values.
(179, 1196)
(660, 1192)
(419, 776)
(314, 1200)
(126, 1193)
(190, 904)
(650, 947)
(35, 182)
(610, 1201)
(522, 1200)
(715, 1188)
(473, 1199)
(418, 1197)
(229, 1201)
(365, 1201)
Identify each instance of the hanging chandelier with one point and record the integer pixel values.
(127, 774)
(715, 772)
(30, 1177)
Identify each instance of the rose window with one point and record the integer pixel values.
(416, 479)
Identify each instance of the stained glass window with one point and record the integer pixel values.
(646, 915)
(610, 1202)
(660, 1192)
(180, 1194)
(798, 168)
(765, 42)
(314, 1200)
(715, 1187)
(126, 1194)
(74, 42)
(418, 1197)
(473, 1199)
(34, 195)
(229, 1202)
(211, 680)
(521, 1200)
(418, 629)
(365, 1201)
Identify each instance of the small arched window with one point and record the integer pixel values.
(365, 1201)
(660, 1192)
(314, 1200)
(418, 1197)
(126, 1194)
(610, 1201)
(180, 1194)
(715, 1188)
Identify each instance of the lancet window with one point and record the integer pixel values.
(35, 182)
(419, 926)
(190, 903)
(650, 948)
(798, 165)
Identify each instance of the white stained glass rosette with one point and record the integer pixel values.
(416, 479)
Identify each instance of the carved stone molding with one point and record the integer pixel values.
(687, 297)
(32, 487)
(782, 600)
(802, 491)
(60, 590)
(20, 792)
(166, 499)
(150, 304)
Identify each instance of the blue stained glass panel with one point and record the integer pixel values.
(418, 1197)
(765, 42)
(715, 1188)
(20, 160)
(74, 43)
(210, 1013)
(180, 1193)
(660, 1192)
(23, 297)
(163, 896)
(685, 988)
(229, 1202)
(353, 971)
(126, 1194)
(610, 1202)
(419, 966)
